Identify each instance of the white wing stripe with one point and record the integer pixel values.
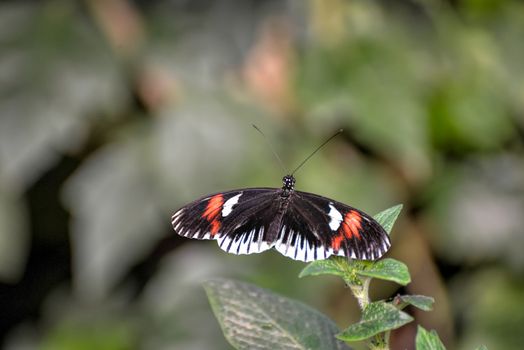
(228, 205)
(244, 243)
(335, 216)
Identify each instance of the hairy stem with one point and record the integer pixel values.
(361, 291)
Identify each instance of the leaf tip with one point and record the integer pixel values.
(388, 217)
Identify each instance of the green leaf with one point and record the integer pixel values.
(419, 301)
(388, 217)
(377, 317)
(386, 269)
(335, 265)
(428, 340)
(252, 317)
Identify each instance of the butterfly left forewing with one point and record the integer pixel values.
(239, 220)
(201, 219)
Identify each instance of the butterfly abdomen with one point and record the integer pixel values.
(276, 225)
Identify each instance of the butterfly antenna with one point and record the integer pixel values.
(316, 150)
(271, 148)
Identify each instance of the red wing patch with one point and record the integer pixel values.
(213, 208)
(352, 224)
(349, 228)
(336, 241)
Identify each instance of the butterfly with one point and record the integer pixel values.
(300, 225)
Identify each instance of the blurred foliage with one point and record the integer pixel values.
(114, 113)
(498, 310)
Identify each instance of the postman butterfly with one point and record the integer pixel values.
(300, 225)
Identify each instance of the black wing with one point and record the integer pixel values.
(303, 226)
(240, 220)
(314, 227)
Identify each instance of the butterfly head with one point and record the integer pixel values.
(288, 183)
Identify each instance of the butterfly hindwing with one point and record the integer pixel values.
(301, 231)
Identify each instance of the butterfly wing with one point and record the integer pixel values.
(303, 226)
(315, 227)
(239, 220)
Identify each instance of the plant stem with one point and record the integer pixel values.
(379, 347)
(379, 343)
(361, 291)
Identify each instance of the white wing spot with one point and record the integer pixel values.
(336, 218)
(228, 205)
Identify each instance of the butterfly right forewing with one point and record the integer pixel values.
(345, 230)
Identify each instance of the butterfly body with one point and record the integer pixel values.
(300, 225)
